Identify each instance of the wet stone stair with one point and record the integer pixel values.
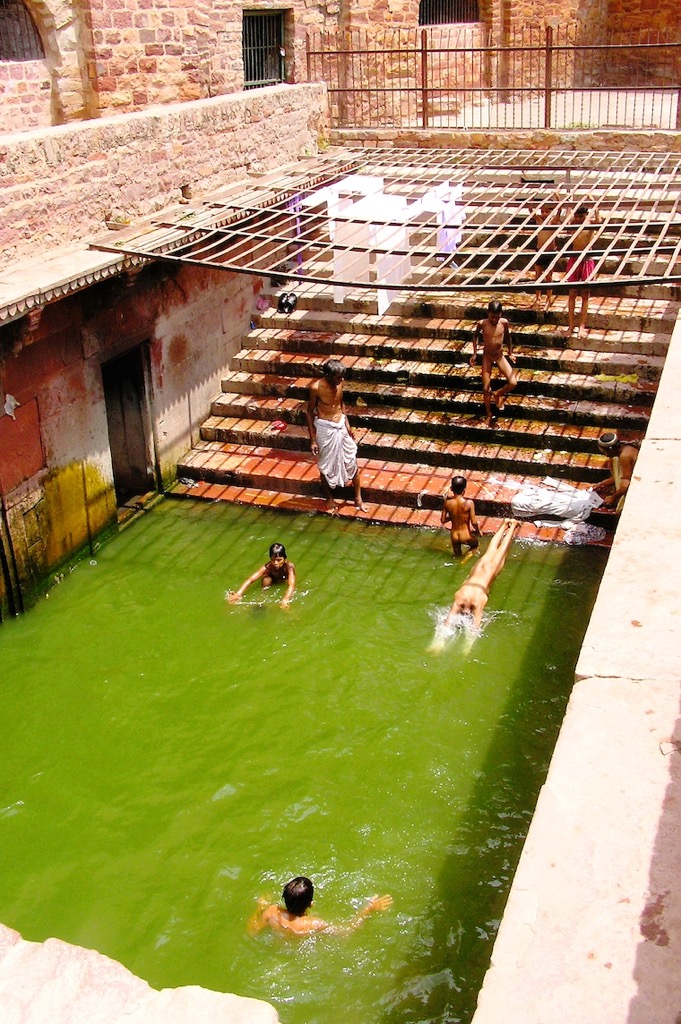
(415, 403)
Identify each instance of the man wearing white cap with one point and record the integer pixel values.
(622, 457)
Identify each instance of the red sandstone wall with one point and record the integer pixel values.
(625, 15)
(25, 100)
(59, 185)
(117, 56)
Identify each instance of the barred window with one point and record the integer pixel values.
(263, 48)
(446, 12)
(19, 38)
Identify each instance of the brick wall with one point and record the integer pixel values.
(25, 100)
(118, 56)
(58, 185)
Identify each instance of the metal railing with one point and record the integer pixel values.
(445, 76)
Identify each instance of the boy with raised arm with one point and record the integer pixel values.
(460, 513)
(293, 917)
(493, 333)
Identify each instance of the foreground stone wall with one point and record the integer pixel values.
(62, 984)
(59, 185)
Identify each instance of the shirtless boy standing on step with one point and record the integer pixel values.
(460, 512)
(492, 333)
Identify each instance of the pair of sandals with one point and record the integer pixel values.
(287, 302)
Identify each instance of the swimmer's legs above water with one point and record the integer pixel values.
(473, 594)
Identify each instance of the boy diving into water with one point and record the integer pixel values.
(472, 596)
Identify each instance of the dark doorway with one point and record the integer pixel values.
(130, 436)
(263, 48)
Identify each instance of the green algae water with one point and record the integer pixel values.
(167, 757)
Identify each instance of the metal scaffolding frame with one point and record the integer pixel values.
(272, 226)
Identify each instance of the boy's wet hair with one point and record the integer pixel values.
(458, 484)
(277, 551)
(495, 306)
(581, 211)
(333, 368)
(298, 895)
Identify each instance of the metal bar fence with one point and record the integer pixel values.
(452, 76)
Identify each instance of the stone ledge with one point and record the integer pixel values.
(64, 984)
(597, 140)
(592, 928)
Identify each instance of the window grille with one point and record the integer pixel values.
(19, 39)
(263, 48)
(446, 12)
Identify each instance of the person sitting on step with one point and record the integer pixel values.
(622, 457)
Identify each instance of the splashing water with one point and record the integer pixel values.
(447, 630)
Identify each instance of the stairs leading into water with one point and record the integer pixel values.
(415, 403)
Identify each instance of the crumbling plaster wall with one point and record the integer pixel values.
(56, 476)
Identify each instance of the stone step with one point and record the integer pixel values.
(289, 480)
(577, 386)
(490, 450)
(256, 413)
(544, 350)
(377, 512)
(632, 309)
(597, 340)
(413, 484)
(280, 391)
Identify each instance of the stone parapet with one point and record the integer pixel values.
(592, 928)
(59, 185)
(597, 141)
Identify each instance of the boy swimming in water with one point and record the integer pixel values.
(460, 513)
(293, 917)
(277, 570)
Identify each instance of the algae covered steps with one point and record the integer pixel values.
(415, 402)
